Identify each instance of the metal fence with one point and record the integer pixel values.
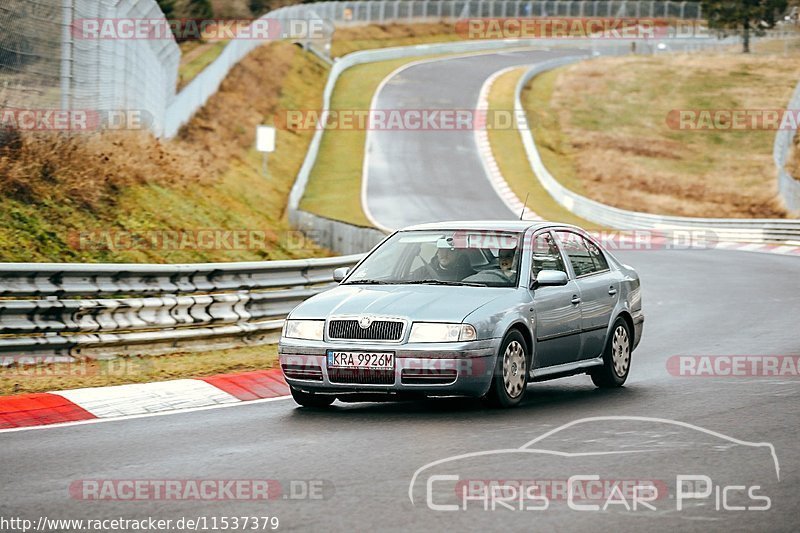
(380, 11)
(46, 64)
(63, 311)
(341, 14)
(726, 229)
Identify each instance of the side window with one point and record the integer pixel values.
(584, 256)
(600, 261)
(546, 255)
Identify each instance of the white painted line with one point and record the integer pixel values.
(490, 166)
(142, 398)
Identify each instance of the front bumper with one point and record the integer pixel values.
(436, 369)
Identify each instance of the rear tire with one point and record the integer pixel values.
(510, 378)
(310, 399)
(616, 358)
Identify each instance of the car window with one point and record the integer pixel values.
(600, 261)
(473, 257)
(546, 255)
(584, 256)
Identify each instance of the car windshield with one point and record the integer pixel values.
(454, 257)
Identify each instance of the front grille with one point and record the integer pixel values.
(361, 376)
(307, 372)
(379, 330)
(428, 377)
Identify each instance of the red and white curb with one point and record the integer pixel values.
(138, 399)
(781, 249)
(490, 165)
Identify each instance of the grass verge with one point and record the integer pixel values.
(602, 129)
(196, 56)
(509, 153)
(334, 185)
(347, 40)
(124, 370)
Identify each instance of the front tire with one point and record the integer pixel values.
(616, 358)
(510, 378)
(310, 399)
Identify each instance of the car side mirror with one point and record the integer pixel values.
(550, 278)
(340, 273)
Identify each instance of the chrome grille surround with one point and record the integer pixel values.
(381, 329)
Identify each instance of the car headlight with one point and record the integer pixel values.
(441, 332)
(310, 330)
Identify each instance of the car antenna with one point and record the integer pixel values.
(524, 205)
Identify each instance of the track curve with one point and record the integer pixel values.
(697, 302)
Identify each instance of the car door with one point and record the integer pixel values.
(556, 310)
(598, 286)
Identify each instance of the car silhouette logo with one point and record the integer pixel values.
(364, 322)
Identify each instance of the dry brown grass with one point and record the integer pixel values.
(348, 40)
(90, 170)
(248, 96)
(608, 135)
(52, 185)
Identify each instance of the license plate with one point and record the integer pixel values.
(381, 360)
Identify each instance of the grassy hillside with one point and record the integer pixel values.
(55, 189)
(602, 129)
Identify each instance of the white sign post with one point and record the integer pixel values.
(265, 143)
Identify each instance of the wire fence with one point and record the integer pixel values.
(48, 63)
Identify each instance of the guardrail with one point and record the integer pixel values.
(60, 311)
(726, 229)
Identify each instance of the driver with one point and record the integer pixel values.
(451, 264)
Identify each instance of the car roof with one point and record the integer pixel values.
(483, 225)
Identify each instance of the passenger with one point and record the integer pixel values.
(505, 259)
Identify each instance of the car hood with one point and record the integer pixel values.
(424, 303)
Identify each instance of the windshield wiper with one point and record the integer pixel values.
(367, 282)
(443, 282)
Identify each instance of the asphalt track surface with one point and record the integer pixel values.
(426, 176)
(696, 302)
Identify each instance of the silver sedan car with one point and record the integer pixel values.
(475, 309)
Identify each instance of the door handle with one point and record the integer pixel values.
(612, 291)
(576, 300)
